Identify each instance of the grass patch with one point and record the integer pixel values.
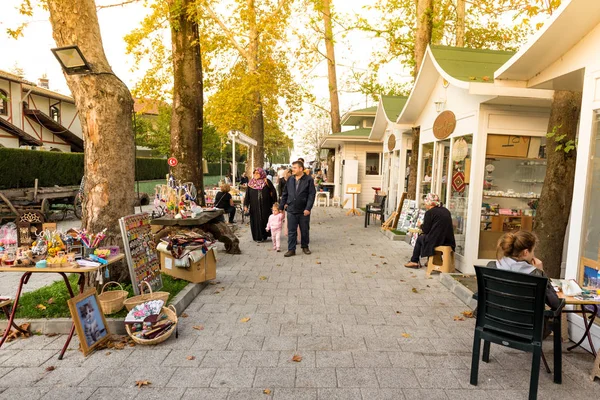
(29, 303)
(397, 232)
(148, 186)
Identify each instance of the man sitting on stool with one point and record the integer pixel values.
(437, 231)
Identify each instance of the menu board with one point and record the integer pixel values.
(140, 250)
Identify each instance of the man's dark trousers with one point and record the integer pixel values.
(293, 221)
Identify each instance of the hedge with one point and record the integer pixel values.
(19, 168)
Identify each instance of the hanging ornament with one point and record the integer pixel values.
(458, 182)
(460, 150)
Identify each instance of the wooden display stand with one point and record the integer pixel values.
(525, 221)
(353, 189)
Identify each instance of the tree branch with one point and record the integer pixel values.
(121, 4)
(227, 32)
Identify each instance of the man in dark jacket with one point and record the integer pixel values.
(437, 231)
(298, 198)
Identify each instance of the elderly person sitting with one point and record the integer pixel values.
(437, 231)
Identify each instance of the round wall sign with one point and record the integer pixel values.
(172, 162)
(444, 125)
(391, 142)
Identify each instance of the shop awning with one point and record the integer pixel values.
(21, 134)
(59, 130)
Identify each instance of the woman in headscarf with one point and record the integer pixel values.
(437, 231)
(258, 201)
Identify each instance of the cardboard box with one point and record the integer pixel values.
(204, 269)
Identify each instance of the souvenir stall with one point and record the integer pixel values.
(565, 55)
(467, 124)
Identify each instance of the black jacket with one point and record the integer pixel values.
(437, 226)
(301, 200)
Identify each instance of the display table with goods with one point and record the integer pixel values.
(511, 192)
(52, 253)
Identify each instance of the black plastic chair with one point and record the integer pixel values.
(510, 312)
(376, 208)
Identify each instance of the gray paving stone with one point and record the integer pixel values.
(356, 377)
(191, 377)
(382, 394)
(429, 394)
(61, 393)
(314, 343)
(211, 343)
(106, 376)
(248, 394)
(160, 393)
(326, 329)
(275, 377)
(29, 358)
(64, 376)
(295, 330)
(23, 376)
(348, 343)
(114, 393)
(381, 344)
(259, 359)
(308, 359)
(158, 375)
(401, 359)
(396, 378)
(334, 359)
(339, 394)
(221, 359)
(280, 343)
(359, 331)
(246, 343)
(437, 378)
(365, 359)
(206, 393)
(233, 378)
(295, 394)
(28, 393)
(5, 370)
(145, 357)
(316, 377)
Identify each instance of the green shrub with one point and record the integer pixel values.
(19, 168)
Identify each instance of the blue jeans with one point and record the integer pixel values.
(293, 221)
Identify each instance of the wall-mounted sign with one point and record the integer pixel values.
(444, 125)
(391, 143)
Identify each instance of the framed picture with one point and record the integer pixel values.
(89, 320)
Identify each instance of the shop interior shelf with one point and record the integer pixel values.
(511, 197)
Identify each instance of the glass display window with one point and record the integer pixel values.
(442, 163)
(462, 148)
(511, 188)
(589, 273)
(426, 170)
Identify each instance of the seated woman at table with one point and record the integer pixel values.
(515, 252)
(437, 231)
(224, 201)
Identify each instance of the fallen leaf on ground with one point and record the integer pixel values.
(198, 327)
(191, 358)
(297, 358)
(50, 368)
(374, 255)
(384, 263)
(40, 307)
(398, 312)
(108, 353)
(214, 282)
(263, 278)
(50, 300)
(468, 314)
(318, 262)
(352, 272)
(139, 384)
(402, 280)
(405, 335)
(267, 391)
(51, 334)
(458, 318)
(414, 290)
(245, 319)
(381, 256)
(184, 315)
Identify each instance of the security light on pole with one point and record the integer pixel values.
(71, 60)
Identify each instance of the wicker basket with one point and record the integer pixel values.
(142, 298)
(171, 313)
(112, 302)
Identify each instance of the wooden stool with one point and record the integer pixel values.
(441, 261)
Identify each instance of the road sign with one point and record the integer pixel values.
(172, 162)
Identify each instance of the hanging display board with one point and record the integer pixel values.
(140, 250)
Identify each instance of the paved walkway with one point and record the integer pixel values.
(365, 327)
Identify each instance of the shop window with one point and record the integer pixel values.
(426, 170)
(459, 188)
(589, 275)
(373, 164)
(55, 113)
(514, 175)
(3, 103)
